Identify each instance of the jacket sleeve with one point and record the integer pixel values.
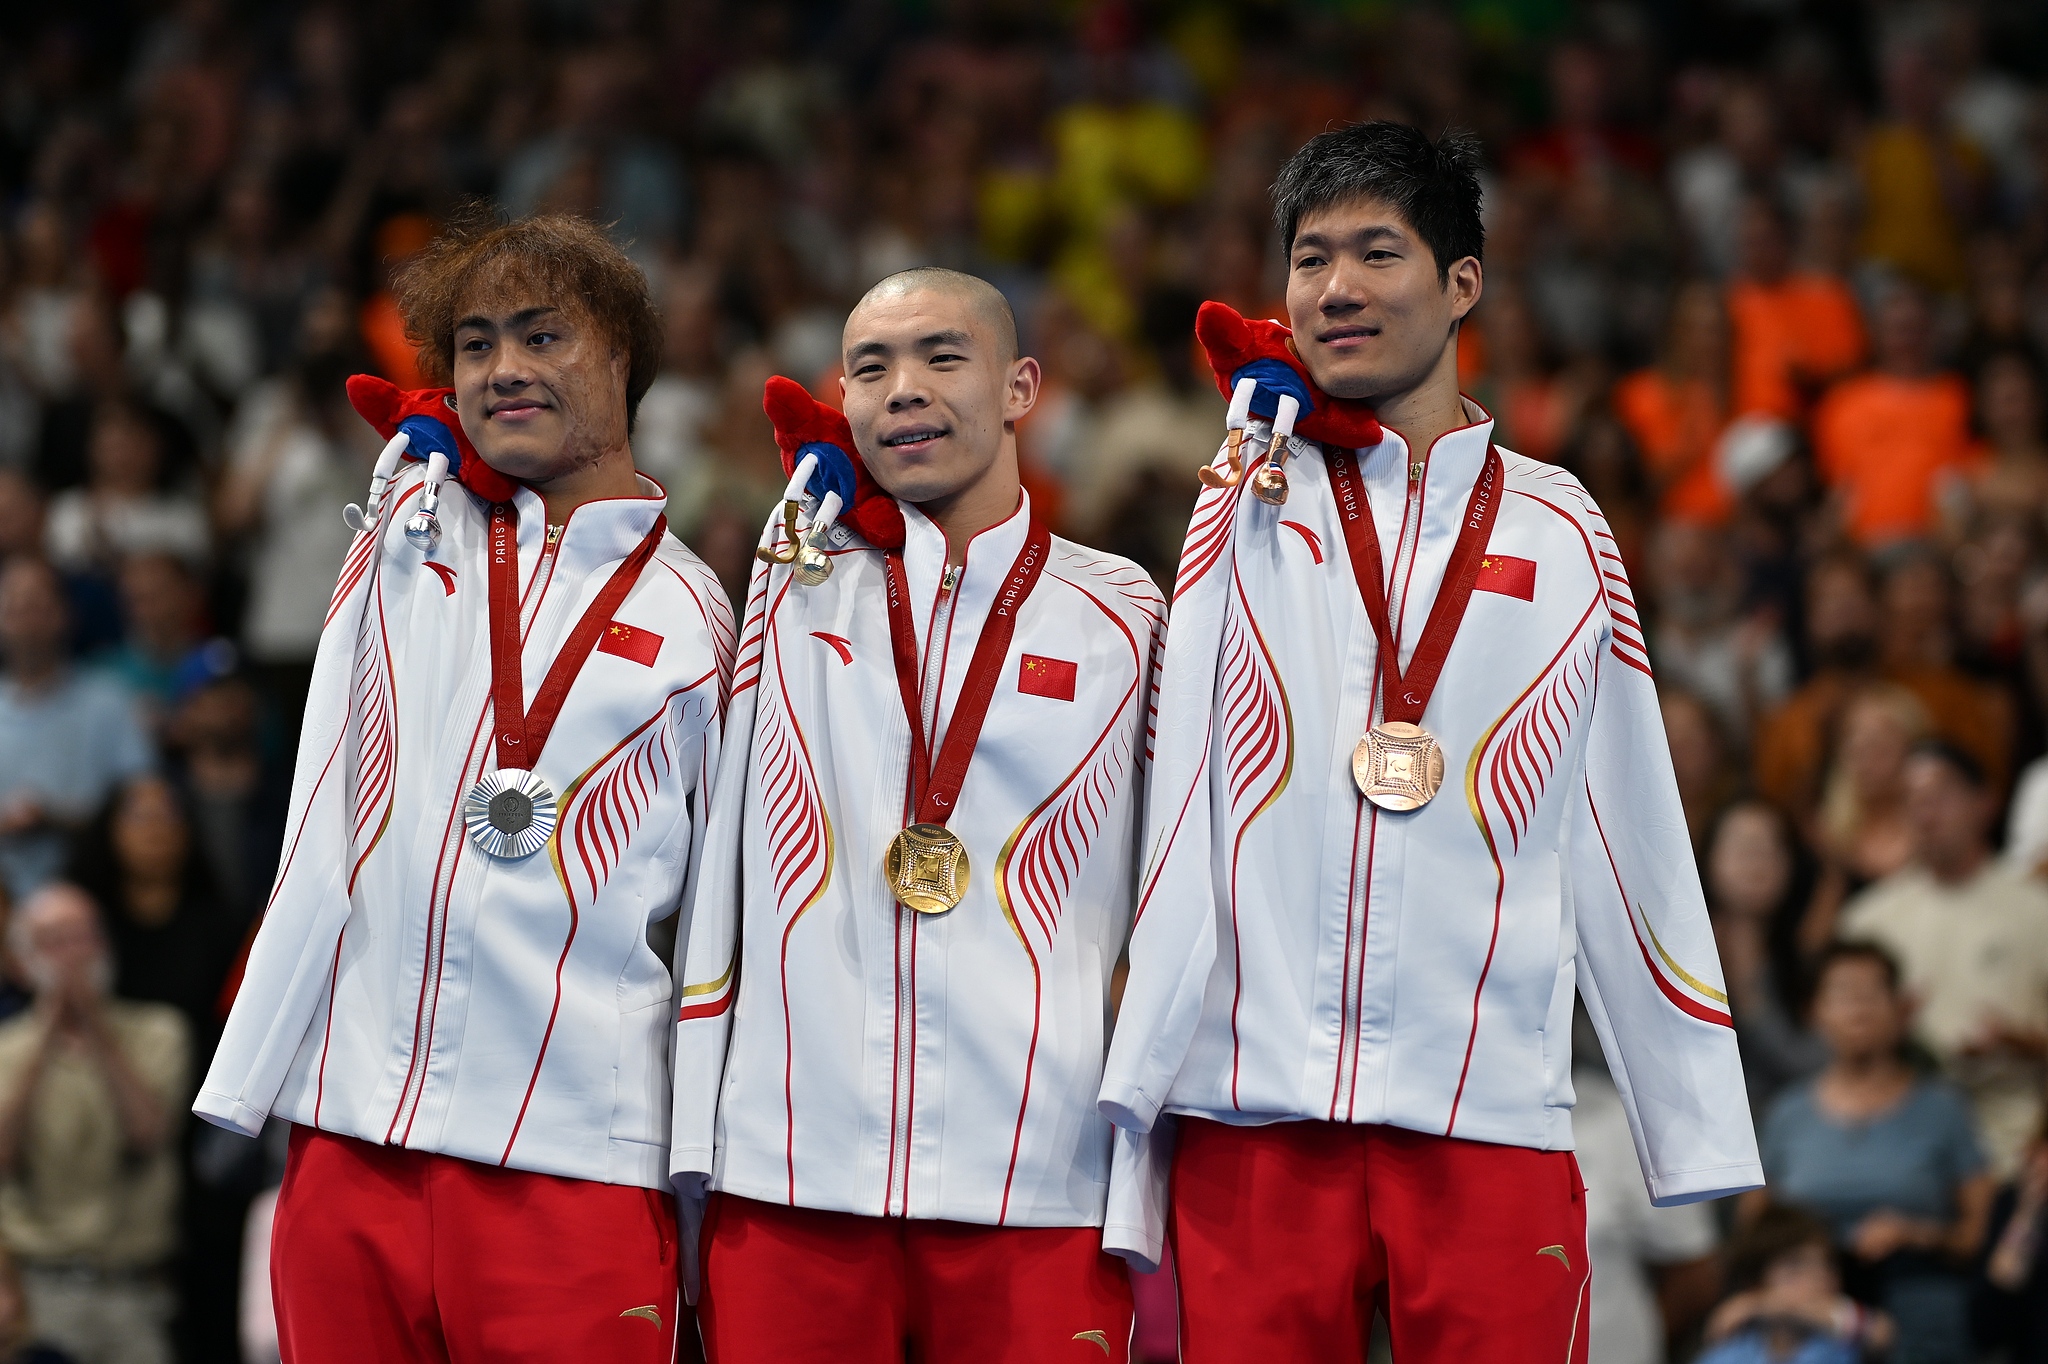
(1648, 969)
(1173, 932)
(286, 977)
(1134, 1223)
(705, 745)
(699, 729)
(708, 946)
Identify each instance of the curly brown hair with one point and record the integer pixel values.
(555, 256)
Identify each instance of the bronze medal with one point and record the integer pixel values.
(926, 866)
(1269, 484)
(1398, 766)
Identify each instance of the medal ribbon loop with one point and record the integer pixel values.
(523, 733)
(935, 786)
(1405, 695)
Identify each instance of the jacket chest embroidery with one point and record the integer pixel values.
(841, 645)
(1309, 537)
(1048, 677)
(1507, 575)
(621, 640)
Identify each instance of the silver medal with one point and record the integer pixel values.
(510, 813)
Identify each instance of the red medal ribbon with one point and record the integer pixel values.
(523, 733)
(1404, 696)
(934, 788)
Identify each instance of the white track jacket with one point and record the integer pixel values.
(404, 987)
(1301, 954)
(864, 1058)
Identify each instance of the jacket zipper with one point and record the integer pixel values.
(422, 1037)
(1353, 1023)
(1404, 552)
(906, 922)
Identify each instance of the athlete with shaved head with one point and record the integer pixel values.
(896, 985)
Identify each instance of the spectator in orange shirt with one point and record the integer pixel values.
(1794, 330)
(1676, 410)
(1884, 441)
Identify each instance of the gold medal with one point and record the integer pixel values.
(926, 866)
(1398, 766)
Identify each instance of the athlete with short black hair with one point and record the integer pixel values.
(1411, 795)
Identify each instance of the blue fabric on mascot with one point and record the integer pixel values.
(1275, 377)
(834, 473)
(431, 436)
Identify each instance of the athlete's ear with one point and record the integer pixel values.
(1025, 378)
(1464, 284)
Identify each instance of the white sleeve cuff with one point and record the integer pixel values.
(1127, 1106)
(1141, 1250)
(234, 1115)
(1697, 1186)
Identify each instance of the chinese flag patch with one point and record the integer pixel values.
(1507, 575)
(1050, 677)
(629, 641)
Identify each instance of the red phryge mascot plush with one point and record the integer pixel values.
(818, 454)
(1257, 369)
(426, 418)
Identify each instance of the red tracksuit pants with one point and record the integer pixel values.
(1287, 1237)
(404, 1257)
(795, 1285)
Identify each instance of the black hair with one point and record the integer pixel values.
(2005, 355)
(1835, 953)
(1434, 185)
(97, 869)
(1955, 758)
(1776, 1232)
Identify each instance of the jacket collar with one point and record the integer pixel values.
(597, 533)
(987, 559)
(923, 540)
(1452, 467)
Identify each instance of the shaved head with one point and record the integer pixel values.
(989, 306)
(934, 389)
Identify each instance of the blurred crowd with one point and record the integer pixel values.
(1769, 276)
